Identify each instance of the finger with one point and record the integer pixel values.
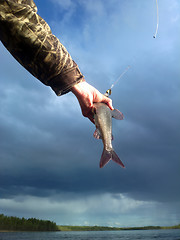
(110, 105)
(88, 112)
(90, 115)
(91, 119)
(108, 101)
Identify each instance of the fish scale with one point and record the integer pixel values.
(103, 121)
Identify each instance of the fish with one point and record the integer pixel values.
(103, 122)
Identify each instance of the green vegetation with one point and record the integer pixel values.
(100, 228)
(33, 224)
(85, 228)
(22, 224)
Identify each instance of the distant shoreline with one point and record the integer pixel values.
(98, 228)
(15, 224)
(101, 228)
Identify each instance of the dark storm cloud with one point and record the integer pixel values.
(47, 150)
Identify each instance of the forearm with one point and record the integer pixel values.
(29, 39)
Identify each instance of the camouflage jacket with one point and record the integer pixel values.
(30, 40)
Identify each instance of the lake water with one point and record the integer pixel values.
(96, 235)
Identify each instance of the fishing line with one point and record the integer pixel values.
(157, 20)
(108, 92)
(120, 76)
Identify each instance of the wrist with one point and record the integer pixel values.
(78, 88)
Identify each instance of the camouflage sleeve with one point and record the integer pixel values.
(29, 39)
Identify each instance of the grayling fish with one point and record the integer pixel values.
(103, 121)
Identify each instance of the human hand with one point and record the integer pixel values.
(87, 95)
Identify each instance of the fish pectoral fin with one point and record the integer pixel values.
(97, 134)
(117, 114)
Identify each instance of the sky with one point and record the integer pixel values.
(49, 160)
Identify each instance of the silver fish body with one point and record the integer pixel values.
(103, 121)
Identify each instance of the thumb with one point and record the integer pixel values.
(107, 101)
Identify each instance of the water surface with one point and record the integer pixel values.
(96, 235)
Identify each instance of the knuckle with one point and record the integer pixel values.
(85, 113)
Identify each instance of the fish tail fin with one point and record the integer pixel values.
(116, 159)
(107, 156)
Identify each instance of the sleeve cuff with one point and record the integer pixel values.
(62, 83)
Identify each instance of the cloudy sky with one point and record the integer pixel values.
(49, 160)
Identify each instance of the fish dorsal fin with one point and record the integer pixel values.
(97, 134)
(117, 114)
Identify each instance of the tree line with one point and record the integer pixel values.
(22, 224)
(102, 228)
